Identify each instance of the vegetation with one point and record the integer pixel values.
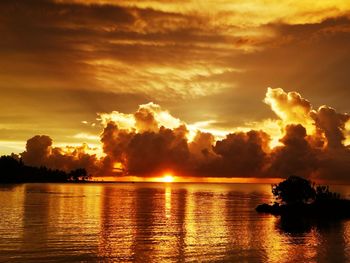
(14, 171)
(297, 190)
(294, 190)
(298, 197)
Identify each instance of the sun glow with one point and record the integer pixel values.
(168, 178)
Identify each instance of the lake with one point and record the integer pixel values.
(157, 222)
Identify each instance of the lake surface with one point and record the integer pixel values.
(150, 222)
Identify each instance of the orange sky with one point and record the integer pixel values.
(67, 65)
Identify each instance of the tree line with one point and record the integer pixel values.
(13, 170)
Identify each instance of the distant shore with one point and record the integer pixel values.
(14, 171)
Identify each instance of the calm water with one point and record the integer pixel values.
(157, 223)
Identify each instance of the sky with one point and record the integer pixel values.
(74, 70)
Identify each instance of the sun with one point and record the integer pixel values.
(168, 178)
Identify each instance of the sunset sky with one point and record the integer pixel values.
(70, 67)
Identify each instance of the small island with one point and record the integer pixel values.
(298, 198)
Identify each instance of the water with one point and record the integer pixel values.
(148, 222)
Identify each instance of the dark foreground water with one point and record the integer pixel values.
(147, 222)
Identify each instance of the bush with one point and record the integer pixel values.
(297, 190)
(323, 193)
(294, 190)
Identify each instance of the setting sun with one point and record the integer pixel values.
(168, 178)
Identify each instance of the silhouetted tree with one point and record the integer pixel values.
(12, 170)
(294, 190)
(304, 204)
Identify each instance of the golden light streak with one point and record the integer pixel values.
(168, 202)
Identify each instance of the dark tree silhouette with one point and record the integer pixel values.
(13, 170)
(305, 203)
(294, 190)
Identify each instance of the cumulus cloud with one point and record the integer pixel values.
(201, 145)
(295, 156)
(289, 107)
(151, 141)
(38, 149)
(148, 117)
(40, 152)
(332, 124)
(157, 151)
(241, 154)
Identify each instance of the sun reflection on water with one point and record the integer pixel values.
(167, 202)
(149, 222)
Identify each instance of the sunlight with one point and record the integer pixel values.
(168, 178)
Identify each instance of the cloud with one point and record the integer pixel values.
(40, 152)
(295, 156)
(182, 55)
(289, 107)
(115, 142)
(148, 117)
(327, 127)
(38, 149)
(241, 154)
(151, 152)
(332, 124)
(201, 145)
(150, 147)
(317, 152)
(260, 12)
(151, 141)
